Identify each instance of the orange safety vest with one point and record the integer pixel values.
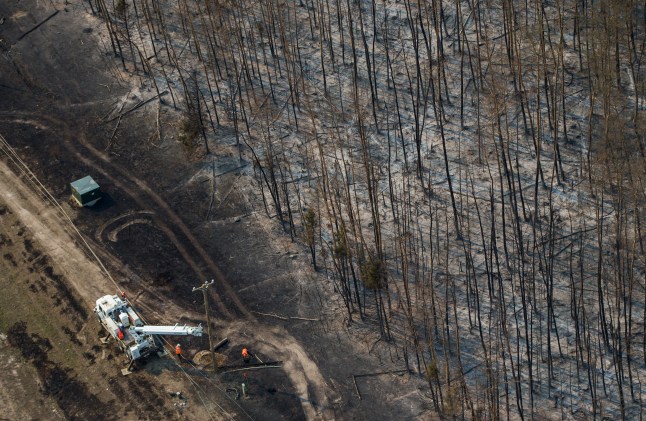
(245, 353)
(178, 350)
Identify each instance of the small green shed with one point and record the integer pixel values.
(85, 191)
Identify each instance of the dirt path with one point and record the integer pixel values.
(49, 229)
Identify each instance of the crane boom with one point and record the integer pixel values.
(169, 330)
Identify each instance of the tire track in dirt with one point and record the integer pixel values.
(155, 302)
(144, 217)
(156, 214)
(158, 218)
(160, 215)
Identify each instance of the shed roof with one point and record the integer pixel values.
(84, 185)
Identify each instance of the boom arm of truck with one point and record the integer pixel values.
(169, 330)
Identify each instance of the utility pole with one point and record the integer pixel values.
(204, 288)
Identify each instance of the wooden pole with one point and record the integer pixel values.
(204, 288)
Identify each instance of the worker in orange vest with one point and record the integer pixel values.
(245, 355)
(178, 352)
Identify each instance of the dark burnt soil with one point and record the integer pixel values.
(267, 393)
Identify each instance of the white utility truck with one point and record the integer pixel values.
(124, 324)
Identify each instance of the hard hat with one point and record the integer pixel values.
(178, 345)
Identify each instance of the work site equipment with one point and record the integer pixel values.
(124, 324)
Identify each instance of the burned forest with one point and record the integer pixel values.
(468, 176)
(466, 180)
